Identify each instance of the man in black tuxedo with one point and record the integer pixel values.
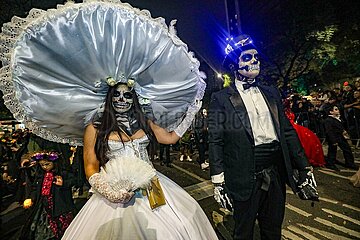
(253, 149)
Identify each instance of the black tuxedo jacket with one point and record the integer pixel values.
(334, 130)
(231, 143)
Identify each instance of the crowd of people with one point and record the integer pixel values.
(310, 110)
(316, 112)
(193, 146)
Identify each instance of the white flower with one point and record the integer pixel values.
(143, 101)
(130, 82)
(111, 81)
(97, 84)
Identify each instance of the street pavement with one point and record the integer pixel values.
(335, 217)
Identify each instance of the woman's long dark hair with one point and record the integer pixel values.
(108, 124)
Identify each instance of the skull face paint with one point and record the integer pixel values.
(249, 63)
(122, 99)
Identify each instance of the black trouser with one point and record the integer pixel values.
(201, 142)
(267, 201)
(345, 148)
(267, 207)
(166, 148)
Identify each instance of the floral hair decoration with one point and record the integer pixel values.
(49, 156)
(112, 82)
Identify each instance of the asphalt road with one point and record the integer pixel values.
(335, 217)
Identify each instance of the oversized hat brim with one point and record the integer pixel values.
(56, 62)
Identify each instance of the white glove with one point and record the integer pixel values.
(100, 185)
(190, 115)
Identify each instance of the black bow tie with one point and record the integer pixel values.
(249, 85)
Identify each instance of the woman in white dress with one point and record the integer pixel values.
(123, 132)
(58, 67)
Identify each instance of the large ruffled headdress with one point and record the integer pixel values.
(56, 64)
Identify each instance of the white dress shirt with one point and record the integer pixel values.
(259, 114)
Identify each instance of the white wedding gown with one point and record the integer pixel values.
(181, 217)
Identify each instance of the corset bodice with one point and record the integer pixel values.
(137, 147)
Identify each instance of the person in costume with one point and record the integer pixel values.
(51, 199)
(253, 148)
(118, 209)
(309, 141)
(109, 77)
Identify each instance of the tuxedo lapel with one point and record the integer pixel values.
(240, 110)
(271, 102)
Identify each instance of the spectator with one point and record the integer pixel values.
(165, 161)
(185, 148)
(201, 137)
(353, 116)
(336, 137)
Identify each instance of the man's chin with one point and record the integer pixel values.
(251, 75)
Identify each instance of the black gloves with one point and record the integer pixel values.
(306, 184)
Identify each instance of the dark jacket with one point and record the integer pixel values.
(231, 143)
(334, 130)
(62, 195)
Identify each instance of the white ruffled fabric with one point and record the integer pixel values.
(55, 63)
(181, 218)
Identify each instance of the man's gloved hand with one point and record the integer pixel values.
(306, 185)
(222, 197)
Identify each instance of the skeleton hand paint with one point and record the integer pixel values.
(306, 185)
(222, 197)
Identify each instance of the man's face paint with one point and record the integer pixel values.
(122, 99)
(249, 63)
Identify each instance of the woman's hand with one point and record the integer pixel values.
(125, 197)
(100, 185)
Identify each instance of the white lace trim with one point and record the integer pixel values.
(14, 30)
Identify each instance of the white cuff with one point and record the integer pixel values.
(219, 178)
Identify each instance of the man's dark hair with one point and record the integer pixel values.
(330, 108)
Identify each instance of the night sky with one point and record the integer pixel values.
(201, 24)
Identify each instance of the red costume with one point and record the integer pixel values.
(309, 141)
